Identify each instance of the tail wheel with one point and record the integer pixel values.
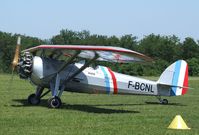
(54, 102)
(33, 99)
(165, 102)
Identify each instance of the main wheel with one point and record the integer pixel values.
(54, 102)
(165, 101)
(32, 99)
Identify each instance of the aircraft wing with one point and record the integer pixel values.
(105, 53)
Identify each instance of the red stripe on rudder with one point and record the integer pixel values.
(185, 84)
(114, 81)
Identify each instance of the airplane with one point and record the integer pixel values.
(68, 68)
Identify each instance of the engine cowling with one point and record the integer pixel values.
(25, 65)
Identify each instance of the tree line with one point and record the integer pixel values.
(163, 49)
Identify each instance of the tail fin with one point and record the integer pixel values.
(176, 76)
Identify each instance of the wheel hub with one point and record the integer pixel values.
(55, 102)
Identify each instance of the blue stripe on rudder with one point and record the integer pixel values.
(176, 77)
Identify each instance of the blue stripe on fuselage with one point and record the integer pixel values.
(106, 79)
(176, 77)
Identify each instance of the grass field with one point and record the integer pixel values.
(84, 114)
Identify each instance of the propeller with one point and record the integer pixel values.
(15, 61)
(16, 56)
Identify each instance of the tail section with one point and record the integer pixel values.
(175, 76)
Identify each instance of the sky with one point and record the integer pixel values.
(45, 18)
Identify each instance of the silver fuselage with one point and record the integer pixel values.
(92, 80)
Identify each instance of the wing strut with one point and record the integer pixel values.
(69, 61)
(77, 72)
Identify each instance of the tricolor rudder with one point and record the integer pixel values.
(180, 78)
(176, 76)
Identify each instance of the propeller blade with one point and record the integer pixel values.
(16, 56)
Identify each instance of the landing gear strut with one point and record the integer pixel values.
(35, 98)
(162, 101)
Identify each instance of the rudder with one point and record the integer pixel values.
(176, 76)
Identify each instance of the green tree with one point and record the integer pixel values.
(163, 49)
(128, 41)
(193, 64)
(190, 49)
(158, 47)
(113, 41)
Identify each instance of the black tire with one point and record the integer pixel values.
(54, 102)
(165, 102)
(33, 100)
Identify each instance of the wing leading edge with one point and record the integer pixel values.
(105, 53)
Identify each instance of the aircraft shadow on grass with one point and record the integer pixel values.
(171, 104)
(77, 107)
(146, 103)
(91, 108)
